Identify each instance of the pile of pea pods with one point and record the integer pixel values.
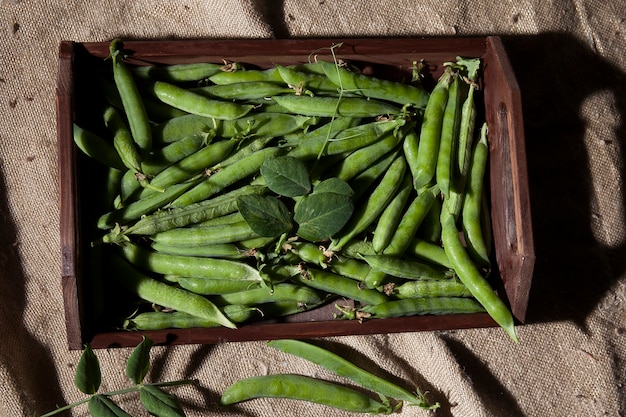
(238, 194)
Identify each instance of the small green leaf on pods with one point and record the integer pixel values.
(102, 406)
(286, 176)
(266, 215)
(321, 215)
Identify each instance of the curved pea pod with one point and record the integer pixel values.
(159, 403)
(349, 267)
(336, 106)
(177, 73)
(430, 133)
(344, 368)
(265, 124)
(102, 406)
(160, 320)
(339, 285)
(469, 275)
(96, 147)
(362, 182)
(418, 306)
(194, 103)
(227, 176)
(303, 388)
(218, 250)
(122, 139)
(408, 269)
(448, 145)
(367, 213)
(423, 289)
(242, 91)
(157, 292)
(377, 88)
(428, 251)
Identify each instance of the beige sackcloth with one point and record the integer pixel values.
(569, 59)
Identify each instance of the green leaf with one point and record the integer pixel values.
(159, 403)
(321, 215)
(139, 361)
(286, 176)
(266, 215)
(102, 406)
(333, 185)
(88, 377)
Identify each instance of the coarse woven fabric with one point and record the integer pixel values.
(569, 59)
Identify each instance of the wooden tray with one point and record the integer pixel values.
(510, 208)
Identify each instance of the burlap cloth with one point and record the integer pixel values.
(569, 60)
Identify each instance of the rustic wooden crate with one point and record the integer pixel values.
(391, 58)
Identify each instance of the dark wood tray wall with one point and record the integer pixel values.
(390, 58)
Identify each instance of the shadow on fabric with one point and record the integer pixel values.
(557, 75)
(36, 394)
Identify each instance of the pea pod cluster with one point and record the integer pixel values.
(242, 193)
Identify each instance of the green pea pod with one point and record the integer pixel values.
(194, 103)
(177, 73)
(277, 293)
(157, 292)
(334, 106)
(469, 275)
(159, 403)
(122, 139)
(430, 133)
(376, 88)
(344, 368)
(392, 215)
(250, 90)
(423, 289)
(132, 100)
(162, 158)
(448, 146)
(303, 388)
(160, 320)
(97, 148)
(367, 213)
(101, 406)
(214, 235)
(245, 75)
(408, 269)
(418, 306)
(214, 286)
(302, 81)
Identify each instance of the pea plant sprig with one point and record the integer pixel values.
(153, 398)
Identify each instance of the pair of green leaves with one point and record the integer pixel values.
(320, 211)
(88, 378)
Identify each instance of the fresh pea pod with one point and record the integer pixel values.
(469, 275)
(366, 214)
(176, 128)
(177, 73)
(246, 75)
(194, 103)
(362, 182)
(417, 306)
(162, 158)
(344, 368)
(157, 292)
(411, 221)
(132, 100)
(429, 252)
(335, 106)
(302, 81)
(472, 204)
(303, 388)
(242, 91)
(160, 320)
(280, 292)
(214, 235)
(340, 285)
(404, 268)
(122, 139)
(392, 215)
(423, 289)
(430, 133)
(227, 176)
(165, 264)
(158, 402)
(448, 145)
(97, 147)
(214, 286)
(375, 88)
(218, 250)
